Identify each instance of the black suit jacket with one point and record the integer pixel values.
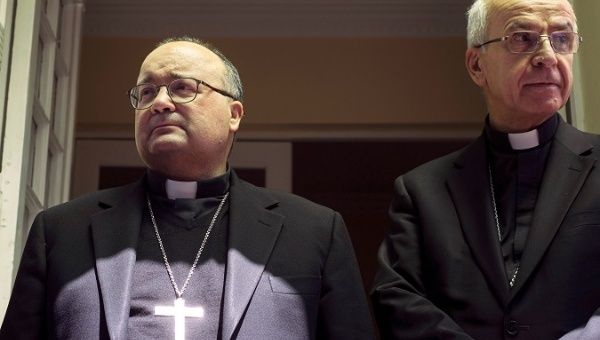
(441, 273)
(290, 273)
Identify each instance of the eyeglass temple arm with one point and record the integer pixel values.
(489, 42)
(225, 93)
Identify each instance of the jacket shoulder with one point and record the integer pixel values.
(436, 167)
(289, 202)
(89, 203)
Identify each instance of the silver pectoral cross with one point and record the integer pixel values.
(180, 312)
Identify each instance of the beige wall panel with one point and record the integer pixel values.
(306, 82)
(589, 55)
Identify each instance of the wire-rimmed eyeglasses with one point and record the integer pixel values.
(181, 91)
(562, 42)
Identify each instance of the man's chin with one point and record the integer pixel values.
(544, 106)
(158, 146)
(551, 102)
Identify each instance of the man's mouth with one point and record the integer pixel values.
(165, 124)
(165, 127)
(542, 86)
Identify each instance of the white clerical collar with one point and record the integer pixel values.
(524, 140)
(178, 189)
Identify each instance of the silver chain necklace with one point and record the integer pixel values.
(179, 292)
(511, 282)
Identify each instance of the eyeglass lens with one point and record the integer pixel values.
(180, 90)
(528, 41)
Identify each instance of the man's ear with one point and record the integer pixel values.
(472, 62)
(236, 109)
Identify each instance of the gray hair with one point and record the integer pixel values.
(232, 77)
(477, 21)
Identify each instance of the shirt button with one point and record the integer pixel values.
(512, 328)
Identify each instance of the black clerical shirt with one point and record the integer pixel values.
(517, 175)
(182, 224)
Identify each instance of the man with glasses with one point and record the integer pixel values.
(502, 238)
(189, 251)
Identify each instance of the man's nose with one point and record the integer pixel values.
(163, 102)
(544, 55)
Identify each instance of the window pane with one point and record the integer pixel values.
(27, 225)
(59, 27)
(38, 75)
(50, 185)
(53, 102)
(32, 151)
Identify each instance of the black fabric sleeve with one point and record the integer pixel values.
(401, 305)
(343, 309)
(26, 314)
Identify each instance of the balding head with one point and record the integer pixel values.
(186, 139)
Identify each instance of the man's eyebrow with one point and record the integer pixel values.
(171, 75)
(145, 79)
(529, 25)
(562, 25)
(176, 75)
(519, 24)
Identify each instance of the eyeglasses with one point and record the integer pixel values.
(563, 42)
(181, 91)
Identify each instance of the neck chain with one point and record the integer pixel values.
(179, 292)
(511, 282)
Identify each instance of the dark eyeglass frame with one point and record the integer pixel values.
(132, 98)
(578, 40)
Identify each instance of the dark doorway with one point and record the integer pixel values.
(356, 179)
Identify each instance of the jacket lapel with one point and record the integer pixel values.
(564, 175)
(115, 232)
(470, 190)
(253, 231)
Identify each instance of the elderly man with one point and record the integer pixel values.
(190, 250)
(502, 238)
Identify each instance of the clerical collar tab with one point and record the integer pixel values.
(178, 189)
(524, 140)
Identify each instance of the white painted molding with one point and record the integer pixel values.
(16, 157)
(92, 154)
(75, 21)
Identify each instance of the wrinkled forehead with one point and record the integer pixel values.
(522, 14)
(181, 59)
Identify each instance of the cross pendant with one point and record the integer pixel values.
(180, 312)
